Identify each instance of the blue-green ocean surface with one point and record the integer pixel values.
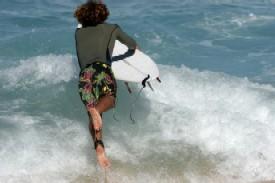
(211, 119)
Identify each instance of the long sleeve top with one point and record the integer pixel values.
(96, 43)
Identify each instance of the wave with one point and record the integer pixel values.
(39, 71)
(223, 115)
(195, 125)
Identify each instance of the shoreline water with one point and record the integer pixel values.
(211, 119)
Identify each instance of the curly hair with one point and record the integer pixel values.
(91, 13)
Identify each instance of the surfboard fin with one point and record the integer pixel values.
(158, 79)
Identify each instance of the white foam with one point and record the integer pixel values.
(194, 122)
(222, 115)
(156, 40)
(39, 71)
(226, 27)
(46, 146)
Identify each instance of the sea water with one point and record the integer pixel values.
(211, 120)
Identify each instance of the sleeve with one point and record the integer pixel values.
(125, 39)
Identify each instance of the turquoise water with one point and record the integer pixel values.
(211, 119)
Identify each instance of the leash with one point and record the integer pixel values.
(139, 93)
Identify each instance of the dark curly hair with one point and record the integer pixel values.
(91, 13)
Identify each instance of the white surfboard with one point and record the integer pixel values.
(134, 68)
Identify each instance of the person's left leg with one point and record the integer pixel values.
(96, 95)
(100, 152)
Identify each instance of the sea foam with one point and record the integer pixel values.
(39, 71)
(195, 125)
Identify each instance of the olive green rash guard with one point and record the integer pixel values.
(96, 43)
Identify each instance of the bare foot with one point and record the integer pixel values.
(102, 158)
(97, 121)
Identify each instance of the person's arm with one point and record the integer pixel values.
(126, 39)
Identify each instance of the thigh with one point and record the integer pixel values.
(86, 88)
(104, 81)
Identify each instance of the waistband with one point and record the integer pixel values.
(95, 64)
(98, 63)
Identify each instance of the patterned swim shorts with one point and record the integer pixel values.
(95, 81)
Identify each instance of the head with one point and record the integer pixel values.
(91, 13)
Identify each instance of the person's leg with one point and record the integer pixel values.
(96, 118)
(96, 106)
(100, 152)
(105, 101)
(91, 127)
(96, 134)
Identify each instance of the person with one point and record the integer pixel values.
(97, 85)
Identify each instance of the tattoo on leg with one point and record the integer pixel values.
(96, 135)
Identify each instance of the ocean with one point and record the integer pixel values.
(211, 120)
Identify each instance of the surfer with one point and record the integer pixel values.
(97, 85)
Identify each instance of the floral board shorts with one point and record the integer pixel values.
(95, 81)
